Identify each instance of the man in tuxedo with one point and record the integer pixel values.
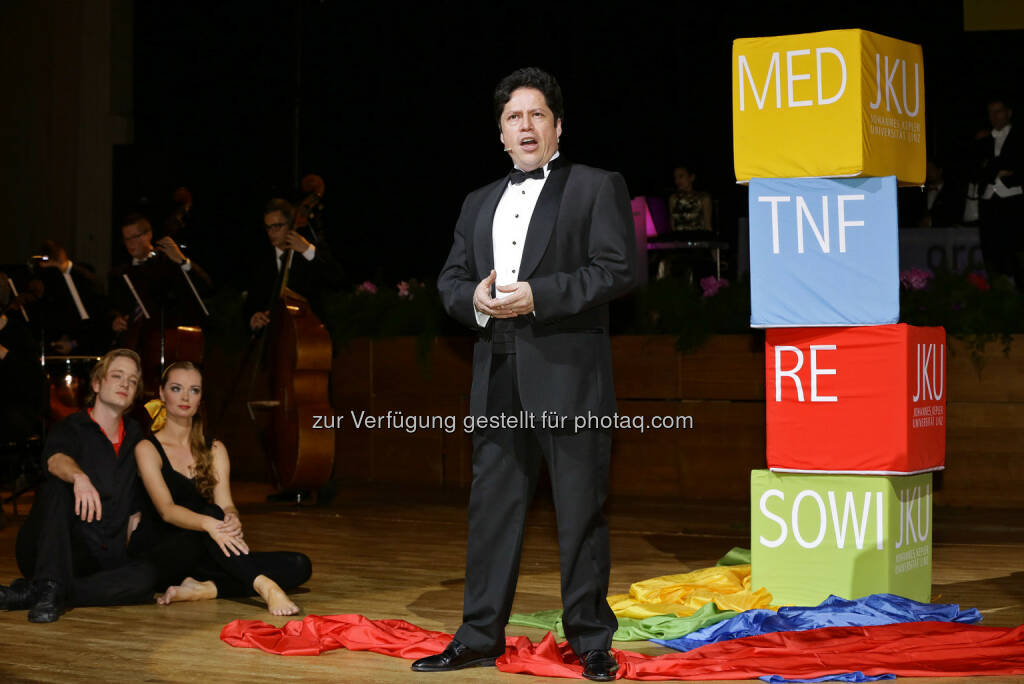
(168, 283)
(537, 256)
(313, 269)
(196, 238)
(1001, 209)
(22, 402)
(939, 204)
(71, 310)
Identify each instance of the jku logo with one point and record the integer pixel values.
(931, 368)
(909, 500)
(889, 77)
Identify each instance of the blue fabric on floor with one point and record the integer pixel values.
(877, 609)
(844, 677)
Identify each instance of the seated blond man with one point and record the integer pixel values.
(72, 548)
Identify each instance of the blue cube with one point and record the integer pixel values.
(823, 252)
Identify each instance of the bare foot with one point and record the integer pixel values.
(188, 590)
(278, 602)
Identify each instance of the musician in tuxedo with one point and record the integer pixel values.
(160, 275)
(196, 238)
(71, 311)
(313, 271)
(22, 404)
(939, 204)
(1000, 180)
(537, 255)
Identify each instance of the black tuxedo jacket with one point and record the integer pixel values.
(1009, 159)
(946, 211)
(161, 285)
(311, 279)
(58, 315)
(579, 254)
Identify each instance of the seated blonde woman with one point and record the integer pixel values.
(191, 529)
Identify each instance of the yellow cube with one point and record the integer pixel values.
(834, 103)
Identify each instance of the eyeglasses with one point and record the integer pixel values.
(129, 238)
(276, 226)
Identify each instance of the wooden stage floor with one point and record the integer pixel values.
(393, 553)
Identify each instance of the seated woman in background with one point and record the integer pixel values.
(191, 528)
(690, 209)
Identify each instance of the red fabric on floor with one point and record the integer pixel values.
(316, 634)
(916, 649)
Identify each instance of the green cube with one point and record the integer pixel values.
(848, 535)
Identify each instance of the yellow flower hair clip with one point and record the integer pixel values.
(157, 410)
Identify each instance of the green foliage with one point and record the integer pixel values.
(967, 306)
(693, 312)
(407, 309)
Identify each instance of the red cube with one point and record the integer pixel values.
(868, 399)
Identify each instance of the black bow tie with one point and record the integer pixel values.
(519, 176)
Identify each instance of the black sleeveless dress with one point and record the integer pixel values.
(152, 530)
(181, 553)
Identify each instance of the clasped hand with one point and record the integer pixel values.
(518, 303)
(227, 534)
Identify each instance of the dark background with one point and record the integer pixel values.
(395, 110)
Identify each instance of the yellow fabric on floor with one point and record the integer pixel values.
(727, 586)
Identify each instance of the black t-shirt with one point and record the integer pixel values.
(114, 476)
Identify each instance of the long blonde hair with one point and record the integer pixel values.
(205, 474)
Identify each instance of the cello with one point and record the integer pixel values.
(302, 458)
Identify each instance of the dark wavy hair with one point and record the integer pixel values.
(529, 77)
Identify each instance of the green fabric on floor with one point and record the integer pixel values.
(631, 629)
(736, 556)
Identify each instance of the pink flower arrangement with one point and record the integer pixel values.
(403, 289)
(711, 285)
(366, 288)
(915, 278)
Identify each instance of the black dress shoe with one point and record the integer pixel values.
(456, 656)
(18, 596)
(49, 603)
(599, 665)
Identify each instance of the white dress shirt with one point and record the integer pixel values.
(999, 188)
(508, 232)
(308, 255)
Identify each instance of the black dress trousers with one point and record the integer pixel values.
(49, 547)
(506, 463)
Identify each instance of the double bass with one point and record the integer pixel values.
(302, 458)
